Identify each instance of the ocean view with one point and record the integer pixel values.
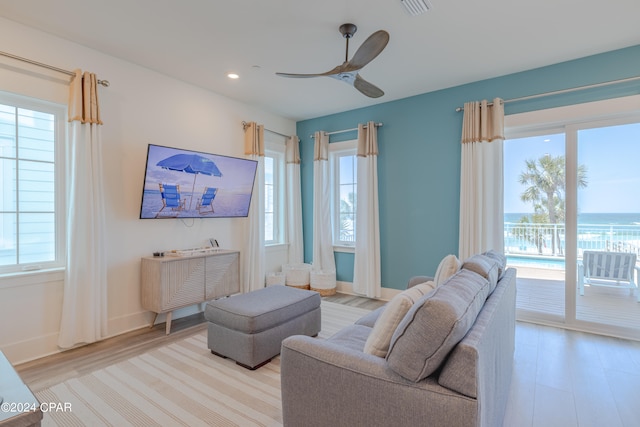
(590, 218)
(617, 232)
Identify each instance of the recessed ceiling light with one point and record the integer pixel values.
(233, 76)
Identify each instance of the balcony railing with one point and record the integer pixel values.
(549, 239)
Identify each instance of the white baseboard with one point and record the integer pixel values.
(31, 349)
(130, 322)
(347, 288)
(47, 345)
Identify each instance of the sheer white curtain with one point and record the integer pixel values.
(322, 233)
(481, 180)
(366, 267)
(294, 200)
(254, 259)
(84, 302)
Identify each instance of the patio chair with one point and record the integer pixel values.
(610, 269)
(171, 198)
(207, 198)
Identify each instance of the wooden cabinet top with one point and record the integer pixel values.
(169, 258)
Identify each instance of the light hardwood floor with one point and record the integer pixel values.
(47, 371)
(565, 378)
(561, 378)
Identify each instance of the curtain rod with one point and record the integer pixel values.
(104, 83)
(348, 130)
(558, 92)
(245, 124)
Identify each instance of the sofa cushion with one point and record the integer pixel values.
(447, 268)
(386, 324)
(352, 337)
(370, 318)
(500, 259)
(435, 324)
(416, 280)
(485, 266)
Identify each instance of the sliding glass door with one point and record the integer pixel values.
(572, 216)
(608, 223)
(534, 200)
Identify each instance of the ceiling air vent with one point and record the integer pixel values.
(416, 7)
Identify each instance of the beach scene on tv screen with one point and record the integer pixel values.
(188, 184)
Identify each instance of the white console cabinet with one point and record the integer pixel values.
(169, 282)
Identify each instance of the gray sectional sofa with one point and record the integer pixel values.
(449, 360)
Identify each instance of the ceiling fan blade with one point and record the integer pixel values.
(301, 76)
(368, 50)
(367, 88)
(336, 70)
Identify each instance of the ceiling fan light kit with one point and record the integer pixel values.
(347, 72)
(416, 7)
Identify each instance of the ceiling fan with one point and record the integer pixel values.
(348, 70)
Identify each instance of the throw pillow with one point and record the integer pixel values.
(435, 324)
(485, 266)
(380, 336)
(449, 266)
(500, 259)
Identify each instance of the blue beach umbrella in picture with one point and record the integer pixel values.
(190, 163)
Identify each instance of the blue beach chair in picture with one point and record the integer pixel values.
(171, 198)
(206, 201)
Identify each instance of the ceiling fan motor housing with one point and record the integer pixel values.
(348, 30)
(349, 78)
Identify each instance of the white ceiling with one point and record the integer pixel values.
(200, 41)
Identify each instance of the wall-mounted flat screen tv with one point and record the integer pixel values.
(182, 183)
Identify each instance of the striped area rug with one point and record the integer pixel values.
(181, 384)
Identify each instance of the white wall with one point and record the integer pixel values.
(140, 107)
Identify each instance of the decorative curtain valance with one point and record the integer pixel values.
(367, 140)
(483, 122)
(321, 148)
(292, 154)
(254, 139)
(83, 98)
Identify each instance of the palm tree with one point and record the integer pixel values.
(347, 217)
(547, 183)
(531, 233)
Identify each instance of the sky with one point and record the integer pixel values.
(612, 158)
(237, 174)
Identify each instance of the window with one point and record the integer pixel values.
(274, 193)
(31, 202)
(344, 173)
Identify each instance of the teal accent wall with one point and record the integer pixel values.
(419, 161)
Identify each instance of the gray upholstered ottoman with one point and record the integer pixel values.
(249, 328)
